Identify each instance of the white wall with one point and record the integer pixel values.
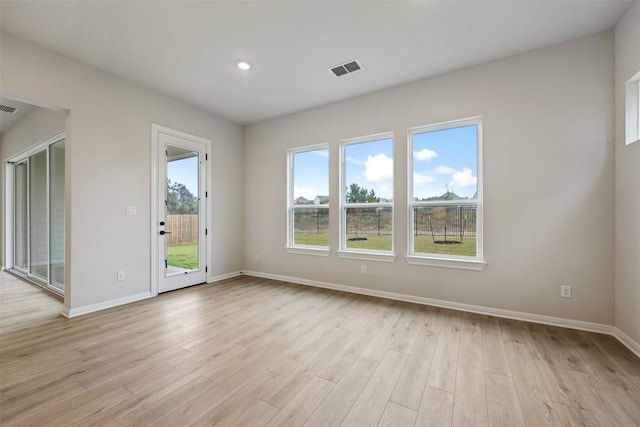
(109, 167)
(627, 179)
(38, 125)
(548, 168)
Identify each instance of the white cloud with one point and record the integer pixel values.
(379, 169)
(444, 170)
(425, 154)
(306, 192)
(419, 178)
(464, 178)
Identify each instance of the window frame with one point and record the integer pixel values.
(632, 110)
(363, 254)
(291, 247)
(445, 260)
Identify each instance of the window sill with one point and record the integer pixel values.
(463, 264)
(298, 250)
(367, 256)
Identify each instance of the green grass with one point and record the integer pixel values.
(186, 256)
(183, 256)
(373, 242)
(423, 244)
(311, 239)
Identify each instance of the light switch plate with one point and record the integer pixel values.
(132, 210)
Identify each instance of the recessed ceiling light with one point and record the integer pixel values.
(244, 65)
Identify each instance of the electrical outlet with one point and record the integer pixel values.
(131, 211)
(363, 269)
(565, 291)
(120, 276)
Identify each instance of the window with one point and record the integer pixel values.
(632, 110)
(445, 194)
(367, 195)
(309, 199)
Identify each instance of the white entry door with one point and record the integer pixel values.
(181, 222)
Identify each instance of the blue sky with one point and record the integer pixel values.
(442, 160)
(445, 160)
(185, 172)
(370, 165)
(311, 174)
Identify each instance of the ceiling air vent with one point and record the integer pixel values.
(346, 68)
(8, 109)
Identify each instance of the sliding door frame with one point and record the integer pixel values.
(10, 220)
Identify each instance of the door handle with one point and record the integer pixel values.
(162, 232)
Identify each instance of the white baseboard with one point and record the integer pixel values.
(627, 340)
(74, 312)
(508, 314)
(213, 279)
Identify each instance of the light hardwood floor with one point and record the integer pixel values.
(254, 352)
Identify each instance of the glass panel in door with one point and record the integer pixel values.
(182, 211)
(56, 213)
(21, 216)
(38, 209)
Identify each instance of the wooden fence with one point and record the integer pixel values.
(183, 228)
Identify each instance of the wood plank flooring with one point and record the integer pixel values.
(255, 352)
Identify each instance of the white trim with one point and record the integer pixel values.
(632, 110)
(156, 130)
(155, 137)
(497, 312)
(367, 138)
(37, 147)
(307, 250)
(291, 207)
(74, 312)
(626, 340)
(343, 205)
(415, 257)
(460, 263)
(306, 148)
(220, 277)
(23, 157)
(9, 213)
(367, 256)
(463, 202)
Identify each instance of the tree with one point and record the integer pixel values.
(180, 201)
(357, 194)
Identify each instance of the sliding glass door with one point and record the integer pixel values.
(38, 214)
(38, 224)
(56, 214)
(21, 216)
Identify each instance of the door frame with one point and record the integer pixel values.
(156, 130)
(9, 214)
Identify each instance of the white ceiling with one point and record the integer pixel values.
(189, 49)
